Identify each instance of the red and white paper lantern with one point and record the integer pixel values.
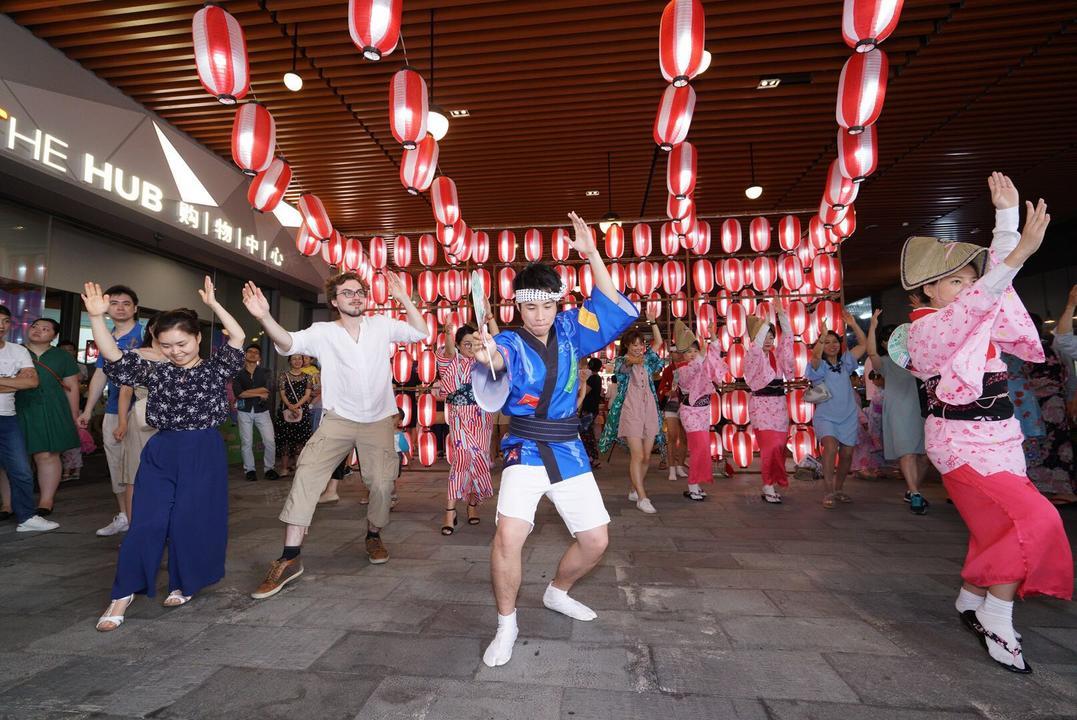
(798, 316)
(648, 276)
(759, 234)
(839, 190)
(560, 248)
(353, 254)
(764, 273)
(306, 243)
(702, 276)
(505, 276)
(866, 23)
(845, 227)
(858, 155)
(428, 366)
(428, 448)
(800, 410)
(674, 116)
(641, 240)
(862, 90)
(668, 241)
(678, 304)
(506, 246)
(702, 234)
(379, 253)
(220, 54)
(427, 408)
(444, 198)
(789, 232)
(733, 275)
(402, 364)
(402, 251)
(480, 247)
(673, 276)
(408, 108)
(375, 26)
(533, 245)
(333, 249)
(254, 138)
(801, 355)
(418, 166)
(587, 280)
(736, 320)
(314, 216)
(428, 250)
(268, 187)
(802, 443)
(680, 41)
(735, 406)
(791, 272)
(615, 242)
(735, 357)
(731, 236)
(681, 170)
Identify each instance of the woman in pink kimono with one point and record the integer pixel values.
(696, 379)
(970, 316)
(766, 365)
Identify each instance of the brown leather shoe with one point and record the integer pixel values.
(281, 572)
(376, 552)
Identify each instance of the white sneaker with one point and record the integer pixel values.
(37, 524)
(682, 471)
(645, 505)
(633, 496)
(118, 525)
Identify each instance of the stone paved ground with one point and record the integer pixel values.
(723, 609)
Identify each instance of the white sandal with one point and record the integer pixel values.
(116, 620)
(175, 599)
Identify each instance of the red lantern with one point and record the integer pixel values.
(427, 408)
(681, 170)
(505, 276)
(428, 448)
(839, 190)
(402, 366)
(444, 313)
(447, 234)
(462, 243)
(702, 233)
(806, 253)
(735, 357)
(680, 41)
(506, 246)
(716, 445)
(428, 366)
(722, 301)
(827, 272)
(268, 187)
(587, 280)
(800, 410)
(861, 90)
(789, 232)
(533, 245)
(353, 254)
(702, 276)
(733, 275)
(428, 250)
(731, 236)
(728, 431)
(802, 440)
(678, 304)
(315, 216)
(480, 247)
(858, 155)
(375, 26)
(866, 23)
(418, 166)
(618, 275)
(845, 227)
(428, 286)
(402, 251)
(654, 305)
(759, 234)
(668, 240)
(800, 359)
(685, 228)
(705, 317)
(736, 320)
(791, 272)
(716, 408)
(830, 216)
(829, 312)
(677, 209)
(333, 249)
(647, 277)
(742, 449)
(559, 245)
(735, 406)
(506, 313)
(451, 285)
(764, 273)
(306, 243)
(798, 316)
(674, 116)
(379, 253)
(431, 328)
(615, 242)
(254, 138)
(817, 232)
(379, 288)
(408, 108)
(220, 54)
(567, 274)
(487, 282)
(747, 298)
(445, 201)
(673, 276)
(641, 240)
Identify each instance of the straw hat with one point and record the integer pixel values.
(755, 324)
(682, 336)
(926, 259)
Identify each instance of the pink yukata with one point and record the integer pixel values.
(696, 382)
(765, 373)
(1015, 534)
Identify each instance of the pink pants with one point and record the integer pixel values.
(699, 458)
(772, 456)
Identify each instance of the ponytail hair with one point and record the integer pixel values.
(182, 319)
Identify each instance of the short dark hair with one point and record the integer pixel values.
(629, 339)
(594, 365)
(537, 276)
(253, 346)
(50, 321)
(335, 281)
(4, 311)
(183, 319)
(462, 332)
(123, 290)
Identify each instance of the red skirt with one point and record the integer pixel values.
(1015, 533)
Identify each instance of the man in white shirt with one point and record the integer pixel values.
(17, 373)
(360, 410)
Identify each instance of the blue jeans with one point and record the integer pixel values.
(16, 462)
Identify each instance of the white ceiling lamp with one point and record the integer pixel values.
(753, 191)
(292, 79)
(610, 218)
(437, 120)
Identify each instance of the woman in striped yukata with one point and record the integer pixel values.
(468, 448)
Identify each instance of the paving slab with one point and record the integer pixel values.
(806, 710)
(260, 647)
(564, 664)
(407, 698)
(583, 704)
(380, 654)
(799, 633)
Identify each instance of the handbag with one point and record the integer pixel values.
(290, 415)
(817, 393)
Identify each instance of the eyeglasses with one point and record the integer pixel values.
(349, 294)
(470, 344)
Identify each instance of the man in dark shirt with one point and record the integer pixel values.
(251, 389)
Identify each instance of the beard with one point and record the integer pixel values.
(350, 310)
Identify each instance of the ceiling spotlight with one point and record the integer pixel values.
(292, 80)
(768, 83)
(459, 113)
(592, 193)
(436, 122)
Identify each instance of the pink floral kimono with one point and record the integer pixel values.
(696, 382)
(765, 374)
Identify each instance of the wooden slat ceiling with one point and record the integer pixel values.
(553, 85)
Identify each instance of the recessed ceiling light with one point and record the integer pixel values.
(768, 83)
(17, 227)
(905, 224)
(592, 193)
(459, 113)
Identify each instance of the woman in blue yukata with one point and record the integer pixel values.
(530, 375)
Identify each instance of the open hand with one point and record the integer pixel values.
(652, 310)
(1003, 193)
(208, 292)
(96, 303)
(396, 286)
(875, 318)
(487, 347)
(1036, 221)
(255, 301)
(583, 241)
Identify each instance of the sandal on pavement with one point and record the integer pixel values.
(842, 497)
(473, 519)
(828, 502)
(175, 599)
(450, 529)
(328, 499)
(109, 621)
(773, 498)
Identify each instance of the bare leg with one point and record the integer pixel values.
(49, 469)
(635, 465)
(294, 534)
(331, 488)
(845, 460)
(581, 557)
(506, 569)
(910, 470)
(830, 452)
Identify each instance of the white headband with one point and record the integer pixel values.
(533, 296)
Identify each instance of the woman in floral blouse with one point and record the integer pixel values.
(182, 498)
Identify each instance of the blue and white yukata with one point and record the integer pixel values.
(543, 453)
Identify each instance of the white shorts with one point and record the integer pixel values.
(577, 499)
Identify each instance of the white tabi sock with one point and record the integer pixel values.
(996, 616)
(968, 601)
(694, 488)
(559, 601)
(499, 651)
(769, 490)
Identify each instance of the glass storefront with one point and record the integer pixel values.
(24, 244)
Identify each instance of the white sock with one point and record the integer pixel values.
(996, 616)
(499, 651)
(769, 489)
(558, 600)
(968, 601)
(694, 488)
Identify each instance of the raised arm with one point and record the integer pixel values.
(96, 306)
(652, 320)
(872, 341)
(861, 341)
(584, 244)
(235, 332)
(1065, 320)
(450, 339)
(1005, 198)
(258, 306)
